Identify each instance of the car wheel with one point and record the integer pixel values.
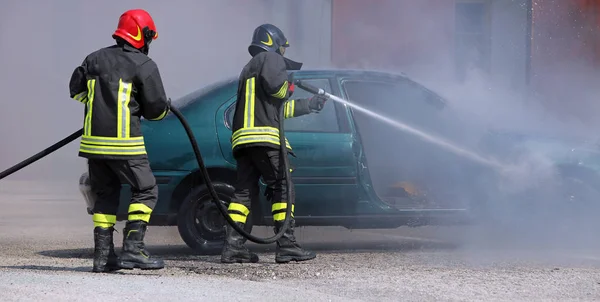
(199, 221)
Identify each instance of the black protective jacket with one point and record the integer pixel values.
(118, 85)
(263, 87)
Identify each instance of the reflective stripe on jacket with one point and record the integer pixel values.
(118, 85)
(262, 88)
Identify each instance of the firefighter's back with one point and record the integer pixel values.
(112, 122)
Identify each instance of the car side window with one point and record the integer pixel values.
(324, 121)
(229, 114)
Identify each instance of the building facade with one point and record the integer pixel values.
(517, 42)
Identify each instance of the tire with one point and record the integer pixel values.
(199, 221)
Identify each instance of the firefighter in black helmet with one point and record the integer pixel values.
(264, 86)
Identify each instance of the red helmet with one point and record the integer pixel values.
(136, 27)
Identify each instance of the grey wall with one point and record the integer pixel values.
(509, 42)
(308, 26)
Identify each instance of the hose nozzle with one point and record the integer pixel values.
(312, 89)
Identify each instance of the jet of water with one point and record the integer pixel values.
(423, 135)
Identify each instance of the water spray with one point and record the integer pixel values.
(515, 174)
(406, 128)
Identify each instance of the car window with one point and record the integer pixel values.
(324, 121)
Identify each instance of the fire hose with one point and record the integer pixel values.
(203, 170)
(312, 89)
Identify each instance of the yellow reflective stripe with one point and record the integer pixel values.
(123, 115)
(115, 150)
(160, 117)
(142, 217)
(255, 131)
(139, 211)
(280, 216)
(289, 109)
(114, 147)
(252, 95)
(113, 141)
(280, 206)
(237, 217)
(81, 97)
(87, 124)
(257, 134)
(104, 218)
(139, 207)
(258, 139)
(282, 91)
(249, 104)
(238, 207)
(103, 224)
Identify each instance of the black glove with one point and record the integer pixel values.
(317, 102)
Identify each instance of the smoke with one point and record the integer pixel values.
(41, 42)
(536, 128)
(482, 75)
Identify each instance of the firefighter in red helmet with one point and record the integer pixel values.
(119, 85)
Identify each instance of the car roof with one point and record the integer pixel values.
(332, 72)
(327, 72)
(371, 74)
(352, 73)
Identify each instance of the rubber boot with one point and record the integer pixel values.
(105, 259)
(287, 248)
(134, 253)
(235, 250)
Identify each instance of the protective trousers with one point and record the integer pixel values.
(106, 177)
(252, 163)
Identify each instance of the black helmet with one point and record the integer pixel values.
(269, 37)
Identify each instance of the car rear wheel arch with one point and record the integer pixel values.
(199, 222)
(195, 179)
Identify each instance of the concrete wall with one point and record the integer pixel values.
(419, 37)
(566, 57)
(405, 35)
(307, 25)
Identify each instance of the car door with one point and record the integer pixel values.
(324, 168)
(400, 158)
(325, 171)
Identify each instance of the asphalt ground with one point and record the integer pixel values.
(46, 247)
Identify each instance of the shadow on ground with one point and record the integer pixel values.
(49, 268)
(75, 269)
(183, 252)
(186, 261)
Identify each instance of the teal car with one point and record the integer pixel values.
(350, 169)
